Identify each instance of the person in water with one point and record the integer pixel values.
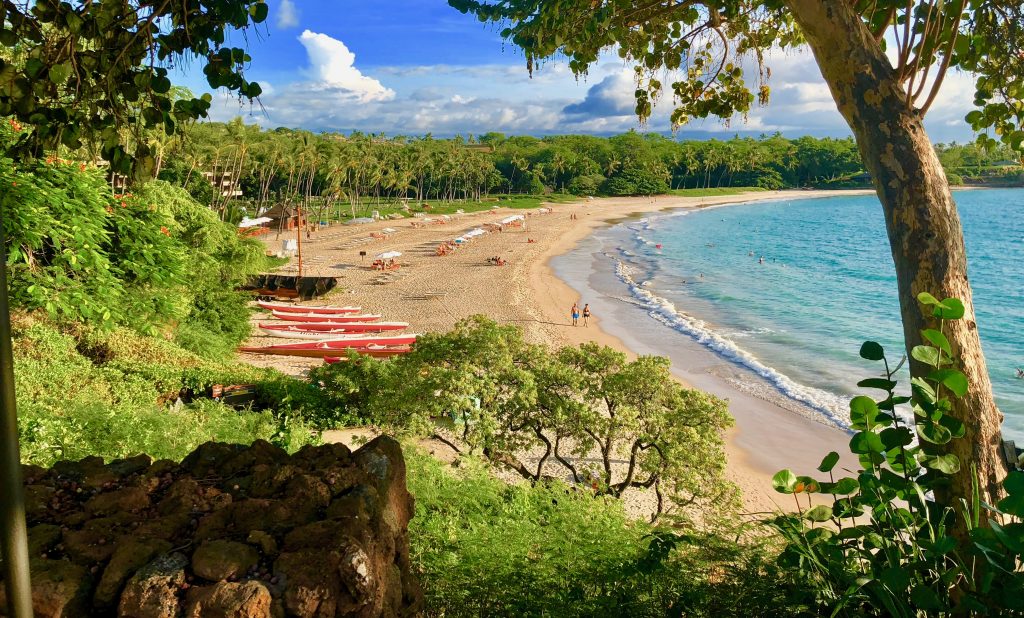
(586, 313)
(575, 314)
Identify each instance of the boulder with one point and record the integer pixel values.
(129, 557)
(218, 560)
(229, 600)
(60, 589)
(153, 591)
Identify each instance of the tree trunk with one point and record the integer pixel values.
(922, 221)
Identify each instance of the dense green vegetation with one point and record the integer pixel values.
(353, 174)
(884, 546)
(487, 548)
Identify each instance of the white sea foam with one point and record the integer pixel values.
(832, 406)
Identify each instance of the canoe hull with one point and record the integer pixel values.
(314, 317)
(289, 308)
(345, 340)
(378, 352)
(339, 327)
(313, 335)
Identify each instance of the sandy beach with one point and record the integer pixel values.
(433, 292)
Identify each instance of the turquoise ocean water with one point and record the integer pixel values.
(827, 283)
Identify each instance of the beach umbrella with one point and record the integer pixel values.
(388, 255)
(247, 222)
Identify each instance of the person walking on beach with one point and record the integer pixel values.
(586, 313)
(575, 314)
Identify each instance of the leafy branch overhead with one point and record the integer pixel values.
(80, 72)
(698, 51)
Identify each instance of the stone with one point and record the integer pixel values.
(229, 600)
(260, 452)
(210, 457)
(264, 541)
(60, 589)
(361, 503)
(129, 499)
(312, 586)
(153, 591)
(219, 560)
(87, 547)
(37, 501)
(307, 489)
(169, 527)
(131, 465)
(129, 556)
(268, 480)
(42, 538)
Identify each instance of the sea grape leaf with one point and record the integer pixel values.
(864, 442)
(829, 462)
(872, 350)
(819, 513)
(953, 379)
(879, 383)
(784, 481)
(926, 354)
(937, 339)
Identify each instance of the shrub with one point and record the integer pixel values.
(586, 185)
(883, 547)
(483, 547)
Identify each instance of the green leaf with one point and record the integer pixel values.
(950, 309)
(895, 437)
(871, 350)
(863, 411)
(1014, 483)
(937, 339)
(952, 379)
(927, 299)
(925, 598)
(926, 354)
(864, 442)
(259, 12)
(879, 383)
(819, 513)
(784, 481)
(948, 463)
(845, 486)
(829, 462)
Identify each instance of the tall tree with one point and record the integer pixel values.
(883, 97)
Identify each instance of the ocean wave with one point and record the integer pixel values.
(832, 406)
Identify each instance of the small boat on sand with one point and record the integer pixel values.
(339, 335)
(340, 328)
(334, 347)
(292, 308)
(325, 317)
(316, 350)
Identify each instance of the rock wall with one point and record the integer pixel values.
(246, 532)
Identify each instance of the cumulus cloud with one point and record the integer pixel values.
(332, 67)
(612, 96)
(452, 99)
(287, 14)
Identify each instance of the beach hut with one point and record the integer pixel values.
(284, 217)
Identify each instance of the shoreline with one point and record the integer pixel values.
(432, 293)
(766, 437)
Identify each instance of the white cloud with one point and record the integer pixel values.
(287, 14)
(332, 67)
(453, 99)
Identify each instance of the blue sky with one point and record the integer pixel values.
(417, 66)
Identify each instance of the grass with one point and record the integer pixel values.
(110, 393)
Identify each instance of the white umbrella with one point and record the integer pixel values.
(511, 219)
(388, 255)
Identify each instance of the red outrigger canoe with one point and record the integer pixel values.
(290, 308)
(378, 346)
(378, 351)
(341, 328)
(324, 317)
